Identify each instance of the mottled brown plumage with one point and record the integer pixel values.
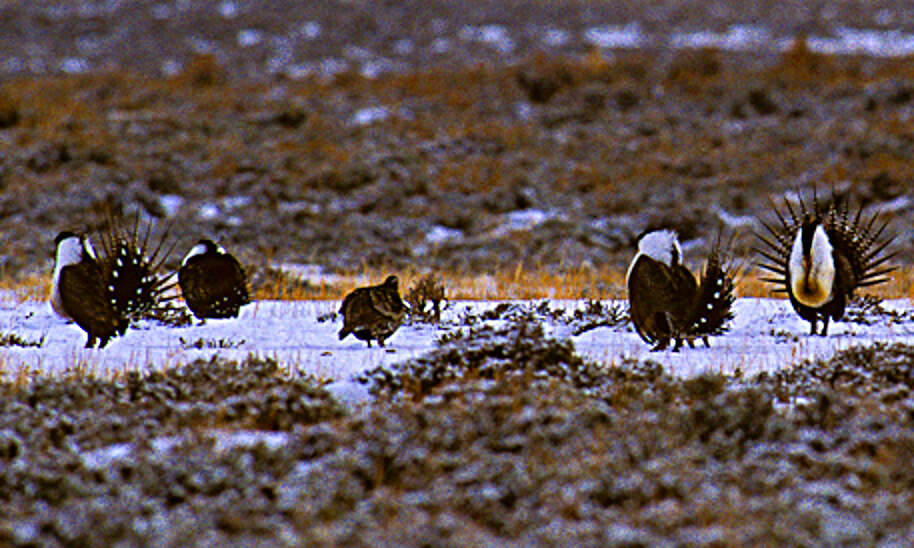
(667, 303)
(212, 282)
(81, 293)
(373, 312)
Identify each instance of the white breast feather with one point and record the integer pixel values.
(657, 245)
(69, 251)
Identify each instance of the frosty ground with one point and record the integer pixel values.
(501, 427)
(765, 335)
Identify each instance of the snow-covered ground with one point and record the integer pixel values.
(765, 335)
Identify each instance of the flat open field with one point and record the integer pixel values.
(514, 151)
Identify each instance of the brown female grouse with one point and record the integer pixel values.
(373, 312)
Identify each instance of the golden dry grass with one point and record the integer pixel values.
(506, 284)
(596, 283)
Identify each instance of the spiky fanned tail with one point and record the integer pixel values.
(861, 239)
(132, 262)
(713, 304)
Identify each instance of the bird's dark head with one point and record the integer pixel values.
(209, 246)
(63, 235)
(202, 247)
(807, 231)
(391, 282)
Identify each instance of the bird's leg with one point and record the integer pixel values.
(812, 327)
(90, 342)
(369, 343)
(381, 342)
(691, 342)
(661, 345)
(825, 325)
(677, 345)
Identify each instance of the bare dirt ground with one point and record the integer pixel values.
(461, 137)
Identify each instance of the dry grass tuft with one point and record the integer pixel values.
(505, 284)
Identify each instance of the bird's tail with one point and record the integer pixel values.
(712, 308)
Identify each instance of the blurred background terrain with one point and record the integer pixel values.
(464, 137)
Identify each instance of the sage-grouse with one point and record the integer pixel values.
(820, 256)
(373, 312)
(132, 260)
(665, 300)
(79, 290)
(212, 282)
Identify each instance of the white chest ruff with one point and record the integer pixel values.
(69, 252)
(812, 277)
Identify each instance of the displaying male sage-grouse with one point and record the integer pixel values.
(373, 312)
(820, 256)
(132, 261)
(213, 282)
(665, 300)
(79, 290)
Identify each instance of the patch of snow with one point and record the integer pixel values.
(333, 66)
(439, 234)
(89, 45)
(404, 46)
(170, 67)
(878, 43)
(311, 273)
(201, 46)
(737, 38)
(171, 204)
(902, 203)
(440, 45)
(348, 392)
(227, 440)
(523, 111)
(299, 206)
(615, 36)
(228, 9)
(103, 457)
(12, 65)
(310, 30)
(370, 115)
(733, 221)
(376, 67)
(298, 71)
(765, 335)
(234, 202)
(208, 212)
(249, 37)
(224, 440)
(494, 36)
(74, 65)
(526, 218)
(556, 37)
